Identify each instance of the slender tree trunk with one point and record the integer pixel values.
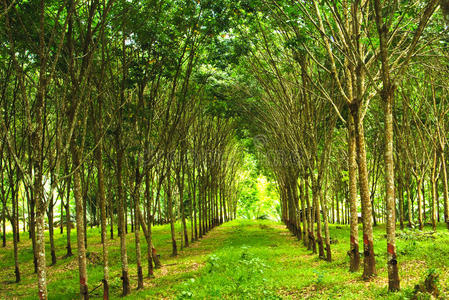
(149, 198)
(84, 188)
(170, 215)
(40, 249)
(33, 228)
(433, 179)
(121, 213)
(194, 200)
(316, 204)
(354, 229)
(16, 254)
(102, 200)
(409, 204)
(393, 275)
(82, 266)
(423, 191)
(137, 232)
(312, 244)
(38, 188)
(420, 200)
(337, 207)
(15, 227)
(326, 227)
(157, 263)
(111, 216)
(125, 208)
(401, 205)
(305, 236)
(68, 220)
(200, 210)
(61, 219)
(51, 230)
(3, 226)
(181, 199)
(23, 215)
(438, 200)
(194, 221)
(445, 190)
(369, 262)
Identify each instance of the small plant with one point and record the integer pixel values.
(213, 263)
(319, 278)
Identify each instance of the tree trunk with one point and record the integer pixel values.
(102, 200)
(121, 213)
(33, 228)
(312, 244)
(194, 200)
(181, 199)
(326, 227)
(3, 226)
(353, 253)
(61, 218)
(170, 214)
(420, 215)
(433, 179)
(409, 205)
(316, 194)
(200, 208)
(40, 249)
(393, 275)
(68, 221)
(423, 191)
(51, 230)
(77, 189)
(111, 216)
(137, 231)
(15, 228)
(401, 205)
(369, 262)
(305, 236)
(445, 189)
(15, 233)
(337, 207)
(149, 199)
(84, 189)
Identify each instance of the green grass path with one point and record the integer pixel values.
(238, 260)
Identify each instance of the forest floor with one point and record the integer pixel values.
(238, 260)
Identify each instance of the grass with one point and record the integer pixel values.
(238, 260)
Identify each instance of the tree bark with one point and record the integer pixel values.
(409, 204)
(312, 244)
(445, 187)
(68, 221)
(170, 213)
(420, 200)
(387, 95)
(393, 275)
(121, 213)
(326, 227)
(433, 179)
(51, 230)
(149, 199)
(319, 239)
(102, 200)
(369, 262)
(353, 253)
(82, 266)
(305, 236)
(137, 230)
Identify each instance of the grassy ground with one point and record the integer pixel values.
(238, 260)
